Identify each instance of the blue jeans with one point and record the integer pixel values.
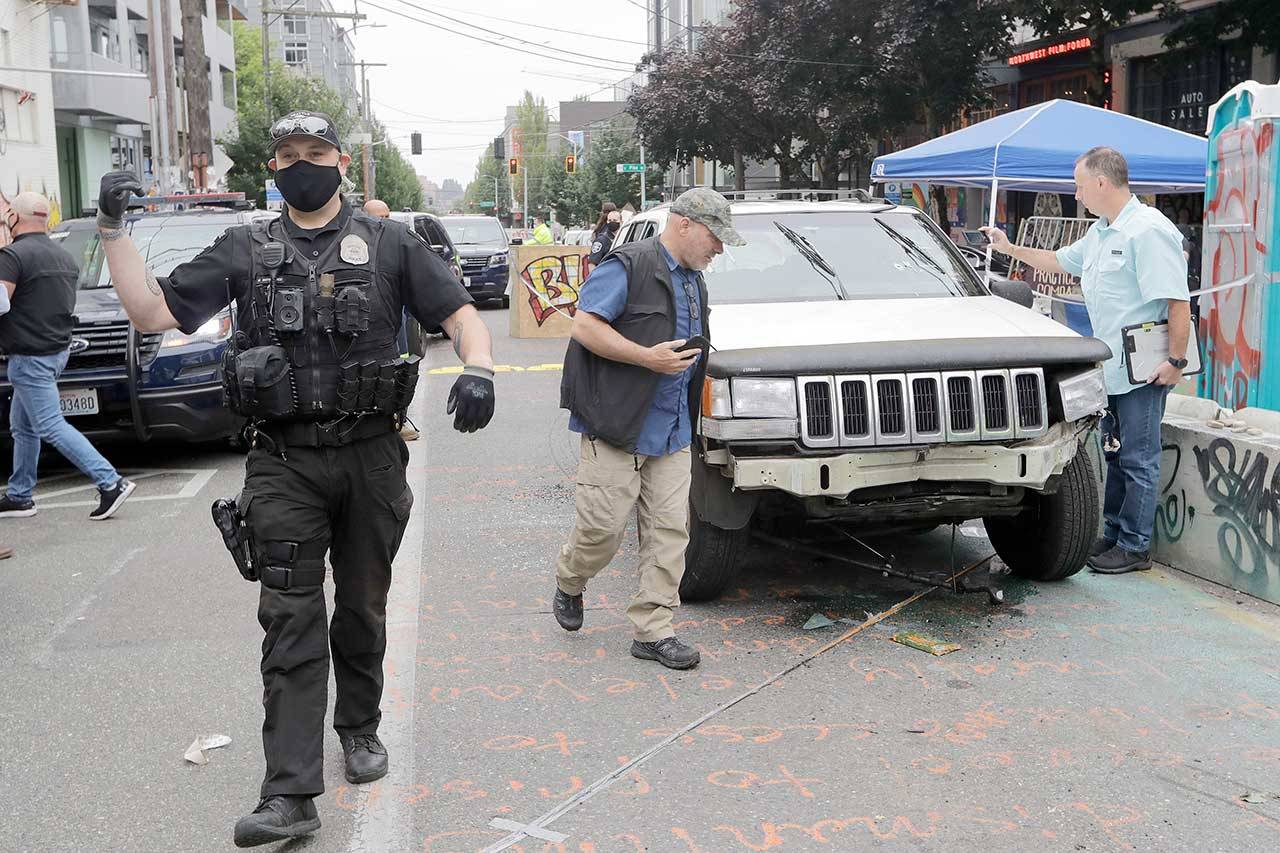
(1133, 470)
(35, 416)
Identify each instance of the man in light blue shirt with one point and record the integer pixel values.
(1132, 270)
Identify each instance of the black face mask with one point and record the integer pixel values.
(306, 186)
(613, 227)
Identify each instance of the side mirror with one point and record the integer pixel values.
(1018, 292)
(437, 248)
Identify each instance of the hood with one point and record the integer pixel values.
(476, 250)
(99, 305)
(785, 324)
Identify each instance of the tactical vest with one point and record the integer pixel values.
(317, 336)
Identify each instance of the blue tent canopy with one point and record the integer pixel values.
(1034, 149)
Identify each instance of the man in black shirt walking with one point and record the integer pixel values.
(40, 278)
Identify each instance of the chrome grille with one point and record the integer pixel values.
(922, 408)
(474, 264)
(109, 346)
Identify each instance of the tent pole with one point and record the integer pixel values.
(991, 222)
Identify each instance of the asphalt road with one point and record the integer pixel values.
(1136, 712)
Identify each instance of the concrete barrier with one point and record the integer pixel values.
(544, 289)
(1218, 511)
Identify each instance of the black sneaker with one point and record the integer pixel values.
(14, 508)
(110, 500)
(366, 758)
(568, 610)
(1101, 545)
(670, 652)
(1118, 561)
(275, 819)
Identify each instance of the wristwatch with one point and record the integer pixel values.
(1179, 363)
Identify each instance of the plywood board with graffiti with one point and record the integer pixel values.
(545, 283)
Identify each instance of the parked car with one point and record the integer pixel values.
(484, 247)
(429, 227)
(864, 375)
(122, 383)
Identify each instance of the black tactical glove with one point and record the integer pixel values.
(472, 398)
(113, 197)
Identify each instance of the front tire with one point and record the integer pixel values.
(1050, 539)
(711, 561)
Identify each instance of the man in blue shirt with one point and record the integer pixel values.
(633, 394)
(1132, 270)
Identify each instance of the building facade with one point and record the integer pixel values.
(313, 46)
(28, 152)
(104, 84)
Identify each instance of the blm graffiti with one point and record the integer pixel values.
(552, 283)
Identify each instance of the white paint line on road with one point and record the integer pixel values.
(386, 824)
(45, 652)
(527, 829)
(197, 479)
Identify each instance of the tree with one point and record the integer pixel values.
(481, 188)
(395, 181)
(248, 144)
(1255, 21)
(1097, 17)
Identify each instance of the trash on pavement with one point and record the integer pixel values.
(817, 620)
(924, 644)
(196, 753)
(1254, 798)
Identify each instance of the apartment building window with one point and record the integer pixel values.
(5, 58)
(140, 60)
(104, 35)
(228, 88)
(295, 53)
(124, 153)
(17, 116)
(295, 26)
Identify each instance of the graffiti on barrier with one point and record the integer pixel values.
(1173, 514)
(552, 284)
(1247, 501)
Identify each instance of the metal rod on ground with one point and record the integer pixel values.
(861, 564)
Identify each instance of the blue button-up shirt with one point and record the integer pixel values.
(668, 427)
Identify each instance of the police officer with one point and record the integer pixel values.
(316, 297)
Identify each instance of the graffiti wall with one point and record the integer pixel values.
(545, 281)
(1240, 236)
(1218, 512)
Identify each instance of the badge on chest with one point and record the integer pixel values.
(354, 250)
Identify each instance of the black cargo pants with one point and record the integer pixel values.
(352, 502)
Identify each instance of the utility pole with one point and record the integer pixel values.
(643, 169)
(159, 99)
(368, 172)
(199, 133)
(171, 91)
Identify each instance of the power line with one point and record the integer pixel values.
(505, 36)
(544, 27)
(440, 120)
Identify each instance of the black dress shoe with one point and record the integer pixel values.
(275, 819)
(366, 758)
(568, 610)
(1101, 545)
(1118, 561)
(670, 652)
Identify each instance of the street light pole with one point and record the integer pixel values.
(643, 169)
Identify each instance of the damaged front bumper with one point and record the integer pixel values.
(1029, 463)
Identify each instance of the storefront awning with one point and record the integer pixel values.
(1034, 149)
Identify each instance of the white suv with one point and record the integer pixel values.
(864, 375)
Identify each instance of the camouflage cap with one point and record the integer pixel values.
(711, 209)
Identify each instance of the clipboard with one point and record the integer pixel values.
(1146, 347)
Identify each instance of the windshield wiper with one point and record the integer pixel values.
(810, 254)
(912, 248)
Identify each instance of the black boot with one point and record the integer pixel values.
(366, 758)
(568, 610)
(669, 652)
(277, 818)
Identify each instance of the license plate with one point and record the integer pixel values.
(466, 281)
(78, 401)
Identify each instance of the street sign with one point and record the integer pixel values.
(486, 204)
(893, 192)
(624, 168)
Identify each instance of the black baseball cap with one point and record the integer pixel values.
(304, 123)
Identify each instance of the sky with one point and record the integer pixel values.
(455, 90)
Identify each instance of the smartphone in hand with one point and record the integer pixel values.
(696, 342)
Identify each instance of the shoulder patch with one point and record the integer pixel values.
(596, 246)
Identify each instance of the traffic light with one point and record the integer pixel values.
(499, 148)
(415, 143)
(570, 164)
(513, 166)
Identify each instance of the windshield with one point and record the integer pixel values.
(83, 245)
(469, 232)
(162, 245)
(868, 260)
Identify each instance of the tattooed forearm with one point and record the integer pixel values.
(152, 283)
(455, 335)
(110, 235)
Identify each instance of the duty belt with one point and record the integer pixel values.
(332, 434)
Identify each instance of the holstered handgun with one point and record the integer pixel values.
(235, 535)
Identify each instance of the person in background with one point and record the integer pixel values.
(1132, 270)
(39, 279)
(377, 207)
(541, 233)
(602, 235)
(5, 551)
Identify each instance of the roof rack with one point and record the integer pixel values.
(804, 194)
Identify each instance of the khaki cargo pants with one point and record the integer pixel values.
(611, 482)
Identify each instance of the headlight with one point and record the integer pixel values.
(498, 260)
(715, 398)
(214, 330)
(1083, 394)
(764, 398)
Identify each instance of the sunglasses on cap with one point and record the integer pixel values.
(290, 125)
